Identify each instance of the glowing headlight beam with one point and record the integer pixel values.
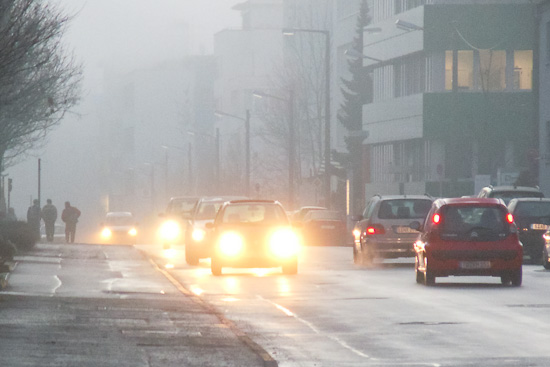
(284, 243)
(231, 244)
(106, 233)
(198, 234)
(132, 232)
(170, 230)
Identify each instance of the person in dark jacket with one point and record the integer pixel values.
(49, 216)
(70, 216)
(33, 218)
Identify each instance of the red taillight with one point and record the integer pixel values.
(510, 218)
(436, 218)
(375, 229)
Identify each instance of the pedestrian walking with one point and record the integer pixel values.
(33, 218)
(70, 216)
(49, 216)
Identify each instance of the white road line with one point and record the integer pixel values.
(312, 327)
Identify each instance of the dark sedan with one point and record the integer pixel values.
(532, 217)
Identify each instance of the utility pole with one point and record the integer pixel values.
(247, 131)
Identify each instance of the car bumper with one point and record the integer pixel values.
(394, 249)
(481, 267)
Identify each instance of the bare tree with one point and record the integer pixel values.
(39, 80)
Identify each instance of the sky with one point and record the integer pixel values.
(119, 35)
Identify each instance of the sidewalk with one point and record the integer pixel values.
(89, 305)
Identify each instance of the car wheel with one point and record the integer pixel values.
(419, 274)
(367, 255)
(516, 278)
(291, 267)
(355, 255)
(429, 277)
(215, 267)
(190, 257)
(505, 280)
(545, 260)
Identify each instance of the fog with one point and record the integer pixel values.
(110, 37)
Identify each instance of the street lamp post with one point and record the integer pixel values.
(246, 121)
(326, 33)
(291, 141)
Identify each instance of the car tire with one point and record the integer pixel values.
(516, 278)
(356, 258)
(545, 260)
(215, 267)
(418, 273)
(291, 267)
(367, 255)
(190, 257)
(429, 277)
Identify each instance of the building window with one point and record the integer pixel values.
(465, 79)
(410, 75)
(523, 70)
(492, 66)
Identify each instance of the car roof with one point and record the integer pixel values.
(393, 197)
(470, 201)
(530, 199)
(184, 198)
(515, 188)
(208, 199)
(119, 214)
(253, 201)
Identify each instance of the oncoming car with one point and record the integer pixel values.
(468, 236)
(172, 227)
(197, 239)
(119, 228)
(253, 234)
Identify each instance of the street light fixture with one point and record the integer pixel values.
(326, 33)
(407, 26)
(291, 140)
(246, 120)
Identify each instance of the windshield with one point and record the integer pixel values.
(254, 213)
(119, 221)
(404, 209)
(207, 211)
(181, 206)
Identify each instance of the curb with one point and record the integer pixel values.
(266, 358)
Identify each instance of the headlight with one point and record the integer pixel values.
(198, 234)
(230, 244)
(356, 233)
(106, 233)
(284, 243)
(170, 230)
(132, 232)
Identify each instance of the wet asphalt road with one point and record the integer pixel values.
(87, 305)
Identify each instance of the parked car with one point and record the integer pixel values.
(197, 237)
(174, 220)
(299, 215)
(546, 250)
(253, 234)
(468, 236)
(119, 228)
(508, 193)
(324, 227)
(532, 217)
(383, 231)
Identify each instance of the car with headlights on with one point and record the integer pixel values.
(253, 234)
(119, 228)
(197, 237)
(174, 220)
(532, 217)
(468, 236)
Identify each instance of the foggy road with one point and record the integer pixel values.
(335, 313)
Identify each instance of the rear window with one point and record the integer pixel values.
(534, 209)
(208, 210)
(477, 223)
(181, 206)
(119, 220)
(404, 209)
(509, 195)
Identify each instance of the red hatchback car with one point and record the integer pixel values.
(468, 236)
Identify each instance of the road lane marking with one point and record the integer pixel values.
(289, 313)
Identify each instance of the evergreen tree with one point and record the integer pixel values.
(358, 90)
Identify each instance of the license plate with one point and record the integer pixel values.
(475, 264)
(327, 227)
(405, 229)
(539, 226)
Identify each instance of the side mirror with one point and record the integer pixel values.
(209, 225)
(356, 218)
(416, 226)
